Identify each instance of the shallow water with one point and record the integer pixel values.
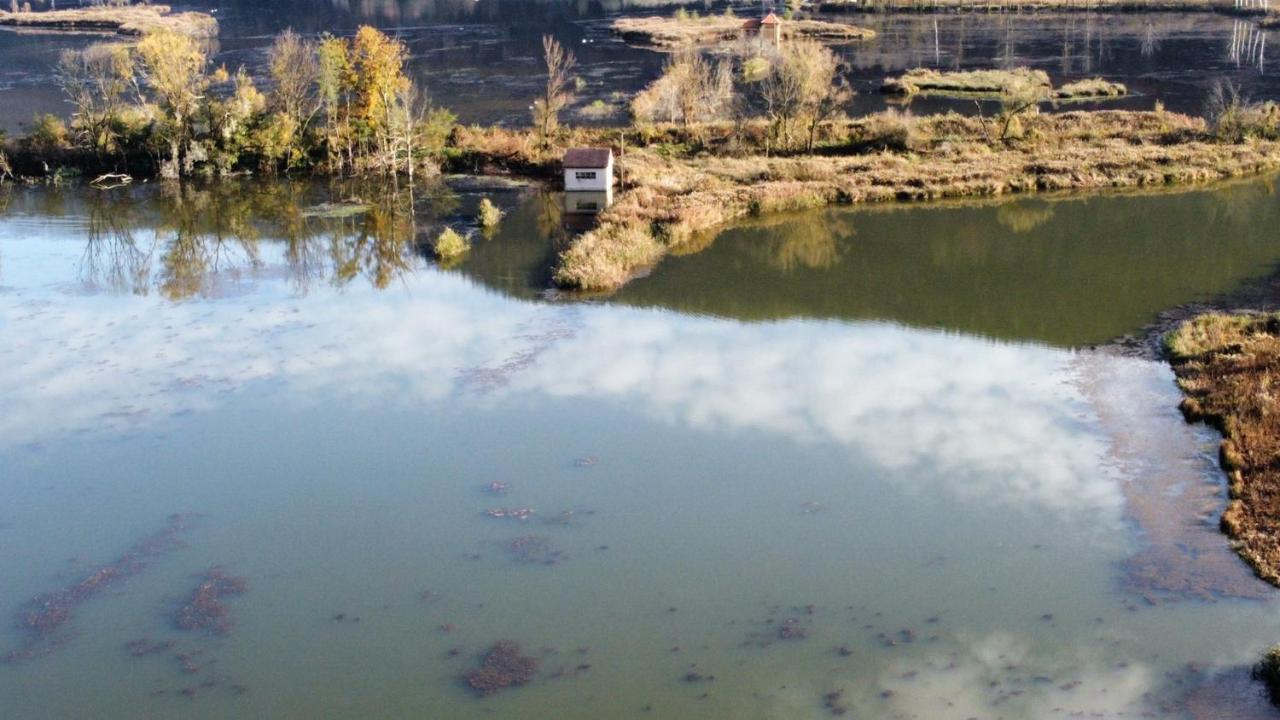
(482, 58)
(944, 501)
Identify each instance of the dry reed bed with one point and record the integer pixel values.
(966, 82)
(671, 32)
(1228, 366)
(672, 203)
(134, 20)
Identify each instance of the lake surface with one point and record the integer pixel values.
(483, 58)
(765, 486)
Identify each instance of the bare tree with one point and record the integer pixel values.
(804, 86)
(96, 81)
(294, 72)
(546, 109)
(691, 90)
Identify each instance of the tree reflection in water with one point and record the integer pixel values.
(205, 238)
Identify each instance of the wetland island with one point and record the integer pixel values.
(537, 359)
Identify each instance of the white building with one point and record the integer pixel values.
(588, 169)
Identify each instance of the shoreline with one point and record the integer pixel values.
(130, 20)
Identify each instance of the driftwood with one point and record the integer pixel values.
(111, 180)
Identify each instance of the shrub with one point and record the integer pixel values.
(1235, 119)
(48, 134)
(450, 246)
(488, 216)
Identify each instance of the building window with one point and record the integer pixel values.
(585, 175)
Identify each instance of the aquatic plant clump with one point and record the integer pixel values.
(1093, 88)
(1227, 367)
(488, 215)
(450, 246)
(504, 665)
(45, 614)
(205, 609)
(967, 83)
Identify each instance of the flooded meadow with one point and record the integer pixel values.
(262, 458)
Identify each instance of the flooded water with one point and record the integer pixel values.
(754, 496)
(482, 58)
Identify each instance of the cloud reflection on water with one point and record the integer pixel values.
(988, 421)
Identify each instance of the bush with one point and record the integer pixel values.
(450, 246)
(488, 216)
(1267, 671)
(1235, 119)
(48, 134)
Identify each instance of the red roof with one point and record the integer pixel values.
(587, 157)
(770, 19)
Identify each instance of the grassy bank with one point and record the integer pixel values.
(1228, 367)
(675, 32)
(132, 20)
(676, 195)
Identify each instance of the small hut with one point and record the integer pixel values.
(588, 169)
(769, 28)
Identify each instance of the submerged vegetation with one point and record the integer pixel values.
(503, 666)
(1228, 367)
(45, 616)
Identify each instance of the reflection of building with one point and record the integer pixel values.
(580, 208)
(588, 169)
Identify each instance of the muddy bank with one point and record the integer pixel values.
(133, 20)
(1227, 366)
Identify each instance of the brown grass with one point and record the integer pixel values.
(671, 32)
(1228, 366)
(1091, 89)
(135, 20)
(966, 82)
(674, 201)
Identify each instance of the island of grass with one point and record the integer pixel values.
(1228, 367)
(999, 84)
(686, 30)
(675, 199)
(131, 20)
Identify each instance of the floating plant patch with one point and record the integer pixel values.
(504, 665)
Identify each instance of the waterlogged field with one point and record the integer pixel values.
(678, 504)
